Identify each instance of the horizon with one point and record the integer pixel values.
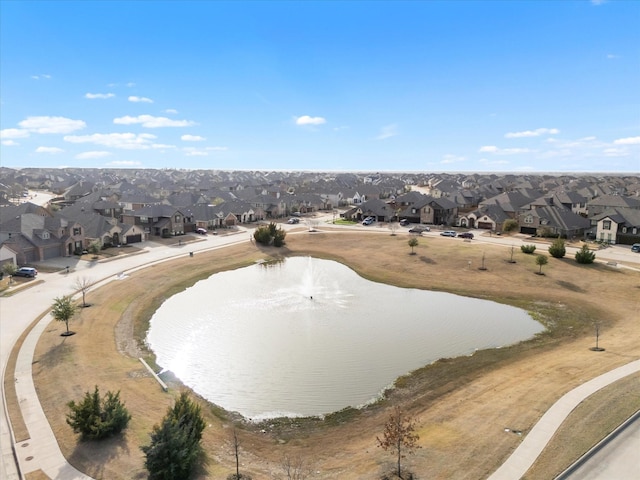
(484, 87)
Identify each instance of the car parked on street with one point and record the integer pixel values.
(419, 229)
(635, 247)
(448, 233)
(26, 272)
(293, 220)
(468, 235)
(201, 231)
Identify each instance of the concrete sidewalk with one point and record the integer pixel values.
(523, 457)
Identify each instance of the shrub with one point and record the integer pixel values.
(584, 255)
(528, 248)
(510, 225)
(557, 248)
(175, 443)
(267, 234)
(95, 418)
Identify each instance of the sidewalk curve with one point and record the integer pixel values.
(523, 457)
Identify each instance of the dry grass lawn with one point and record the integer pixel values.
(463, 405)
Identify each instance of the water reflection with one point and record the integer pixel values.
(308, 336)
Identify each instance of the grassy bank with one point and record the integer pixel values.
(462, 404)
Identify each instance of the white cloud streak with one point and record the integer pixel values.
(124, 163)
(91, 155)
(127, 141)
(9, 143)
(387, 131)
(136, 99)
(150, 121)
(51, 124)
(532, 133)
(627, 141)
(50, 150)
(14, 133)
(503, 151)
(101, 96)
(307, 120)
(192, 138)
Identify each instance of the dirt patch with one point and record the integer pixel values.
(462, 405)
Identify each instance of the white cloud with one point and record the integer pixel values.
(130, 84)
(171, 111)
(387, 131)
(627, 141)
(10, 143)
(615, 152)
(52, 124)
(202, 152)
(124, 163)
(192, 138)
(532, 133)
(93, 96)
(93, 154)
(14, 133)
(127, 141)
(598, 2)
(612, 56)
(450, 158)
(163, 146)
(503, 151)
(51, 150)
(150, 121)
(135, 99)
(307, 120)
(43, 76)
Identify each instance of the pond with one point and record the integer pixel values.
(307, 337)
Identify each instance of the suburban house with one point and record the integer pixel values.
(601, 204)
(551, 221)
(618, 225)
(160, 220)
(488, 217)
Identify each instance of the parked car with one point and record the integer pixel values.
(404, 222)
(293, 220)
(419, 229)
(368, 221)
(201, 231)
(466, 235)
(448, 233)
(26, 272)
(635, 247)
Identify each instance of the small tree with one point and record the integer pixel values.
(557, 248)
(399, 436)
(94, 247)
(82, 285)
(63, 310)
(393, 227)
(541, 260)
(9, 269)
(95, 418)
(413, 242)
(528, 248)
(295, 468)
(510, 225)
(584, 255)
(175, 443)
(235, 445)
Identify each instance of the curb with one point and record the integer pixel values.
(597, 447)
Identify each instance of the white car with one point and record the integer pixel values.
(448, 233)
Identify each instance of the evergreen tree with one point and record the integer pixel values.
(95, 418)
(557, 248)
(175, 443)
(584, 255)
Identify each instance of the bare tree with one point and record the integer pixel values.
(393, 226)
(295, 468)
(399, 436)
(82, 285)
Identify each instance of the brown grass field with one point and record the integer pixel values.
(463, 405)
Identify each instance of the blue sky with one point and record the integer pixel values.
(504, 86)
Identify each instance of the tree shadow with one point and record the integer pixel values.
(56, 354)
(94, 456)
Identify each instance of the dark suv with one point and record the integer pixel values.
(465, 235)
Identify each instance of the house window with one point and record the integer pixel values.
(177, 218)
(413, 210)
(606, 225)
(144, 219)
(635, 230)
(77, 231)
(45, 235)
(528, 219)
(624, 229)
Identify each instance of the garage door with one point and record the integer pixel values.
(134, 238)
(485, 225)
(528, 230)
(51, 252)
